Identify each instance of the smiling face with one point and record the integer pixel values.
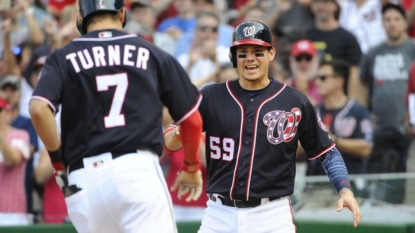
(253, 62)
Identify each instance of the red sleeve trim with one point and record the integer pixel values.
(191, 111)
(323, 152)
(36, 97)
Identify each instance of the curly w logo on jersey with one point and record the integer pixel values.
(285, 123)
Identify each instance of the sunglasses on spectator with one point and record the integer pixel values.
(325, 77)
(204, 28)
(303, 57)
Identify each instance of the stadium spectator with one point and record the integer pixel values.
(14, 152)
(410, 128)
(347, 122)
(363, 18)
(384, 72)
(304, 63)
(10, 86)
(333, 41)
(142, 22)
(205, 56)
(410, 8)
(292, 16)
(184, 21)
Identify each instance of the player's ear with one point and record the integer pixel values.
(123, 16)
(272, 53)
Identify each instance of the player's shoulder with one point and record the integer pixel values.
(217, 88)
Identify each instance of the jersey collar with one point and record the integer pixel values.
(106, 33)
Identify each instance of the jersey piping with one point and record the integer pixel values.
(191, 111)
(323, 152)
(254, 138)
(240, 138)
(105, 39)
(36, 97)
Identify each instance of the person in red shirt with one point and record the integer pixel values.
(410, 9)
(183, 209)
(410, 119)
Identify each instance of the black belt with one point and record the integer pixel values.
(240, 203)
(80, 163)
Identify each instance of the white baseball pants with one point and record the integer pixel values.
(270, 217)
(123, 195)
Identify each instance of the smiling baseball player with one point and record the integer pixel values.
(253, 125)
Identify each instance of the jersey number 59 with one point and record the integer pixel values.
(221, 150)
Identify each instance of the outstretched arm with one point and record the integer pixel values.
(336, 170)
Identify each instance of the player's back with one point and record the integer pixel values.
(110, 94)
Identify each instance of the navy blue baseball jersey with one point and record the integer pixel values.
(252, 138)
(112, 87)
(350, 121)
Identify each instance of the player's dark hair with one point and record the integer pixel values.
(100, 16)
(340, 68)
(208, 13)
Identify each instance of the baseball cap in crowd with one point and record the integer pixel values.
(60, 4)
(9, 80)
(397, 7)
(303, 47)
(40, 61)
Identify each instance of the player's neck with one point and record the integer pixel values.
(335, 101)
(327, 25)
(254, 85)
(104, 25)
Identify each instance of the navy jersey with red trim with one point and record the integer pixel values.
(251, 141)
(112, 87)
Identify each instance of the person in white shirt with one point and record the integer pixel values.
(363, 18)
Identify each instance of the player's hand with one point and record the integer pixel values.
(188, 183)
(347, 200)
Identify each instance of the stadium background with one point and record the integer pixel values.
(31, 29)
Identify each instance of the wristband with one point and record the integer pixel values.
(191, 167)
(173, 135)
(56, 156)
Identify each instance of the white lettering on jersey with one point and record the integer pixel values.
(109, 56)
(99, 55)
(86, 63)
(128, 55)
(390, 67)
(114, 55)
(142, 58)
(75, 65)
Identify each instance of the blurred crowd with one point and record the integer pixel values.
(354, 59)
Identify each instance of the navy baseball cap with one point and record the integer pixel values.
(397, 7)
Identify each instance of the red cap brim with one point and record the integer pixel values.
(251, 42)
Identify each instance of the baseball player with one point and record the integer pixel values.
(112, 87)
(253, 125)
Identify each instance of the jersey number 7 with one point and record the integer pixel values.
(120, 81)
